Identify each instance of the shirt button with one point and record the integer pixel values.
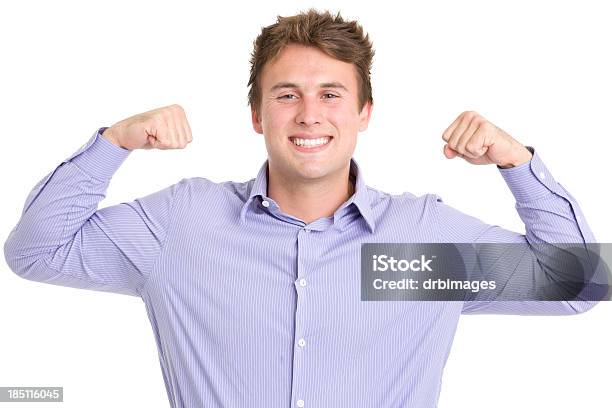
(542, 175)
(301, 342)
(577, 218)
(265, 203)
(300, 403)
(302, 282)
(306, 229)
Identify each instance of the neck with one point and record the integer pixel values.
(310, 200)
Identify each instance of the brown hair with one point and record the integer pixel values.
(342, 40)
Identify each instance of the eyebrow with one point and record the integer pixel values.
(282, 85)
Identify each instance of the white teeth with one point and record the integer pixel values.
(311, 142)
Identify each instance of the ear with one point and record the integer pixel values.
(256, 122)
(364, 116)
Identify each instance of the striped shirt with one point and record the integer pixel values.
(253, 307)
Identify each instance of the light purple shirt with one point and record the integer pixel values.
(253, 307)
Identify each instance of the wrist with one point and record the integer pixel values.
(110, 136)
(521, 155)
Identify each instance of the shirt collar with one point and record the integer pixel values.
(360, 198)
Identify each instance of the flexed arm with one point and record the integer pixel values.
(63, 239)
(550, 214)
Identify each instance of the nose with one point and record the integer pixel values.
(309, 112)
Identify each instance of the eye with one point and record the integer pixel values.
(283, 96)
(334, 96)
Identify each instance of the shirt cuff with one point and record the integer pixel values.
(99, 157)
(529, 181)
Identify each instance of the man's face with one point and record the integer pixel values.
(309, 98)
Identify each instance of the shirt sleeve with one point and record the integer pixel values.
(550, 214)
(63, 239)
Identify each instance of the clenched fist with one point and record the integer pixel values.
(162, 128)
(478, 141)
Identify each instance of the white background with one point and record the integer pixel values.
(540, 71)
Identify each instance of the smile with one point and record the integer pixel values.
(311, 143)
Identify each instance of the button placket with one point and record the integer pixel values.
(304, 256)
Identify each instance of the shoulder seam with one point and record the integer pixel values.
(171, 214)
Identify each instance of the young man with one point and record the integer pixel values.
(253, 289)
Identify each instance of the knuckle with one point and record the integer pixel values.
(486, 126)
(177, 109)
(469, 115)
